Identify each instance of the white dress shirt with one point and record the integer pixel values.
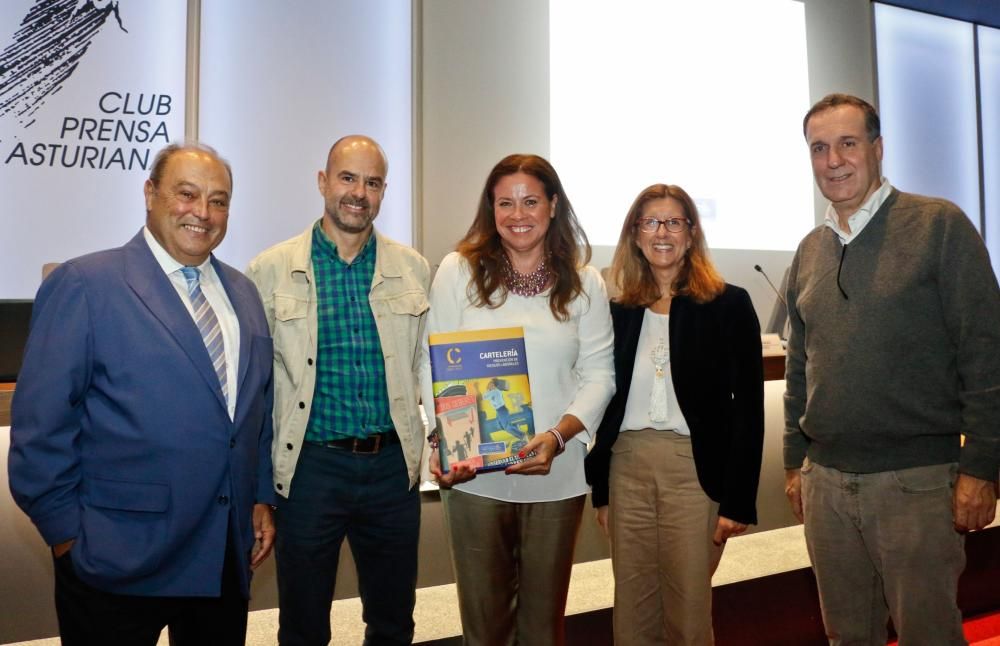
(216, 296)
(860, 219)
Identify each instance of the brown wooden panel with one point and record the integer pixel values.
(774, 368)
(780, 609)
(6, 394)
(978, 592)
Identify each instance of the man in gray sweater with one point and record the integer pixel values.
(893, 357)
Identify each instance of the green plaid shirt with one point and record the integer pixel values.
(350, 399)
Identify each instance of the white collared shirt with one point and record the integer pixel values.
(216, 296)
(860, 219)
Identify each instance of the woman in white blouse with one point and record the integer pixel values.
(678, 452)
(523, 264)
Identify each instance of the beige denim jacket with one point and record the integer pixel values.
(283, 275)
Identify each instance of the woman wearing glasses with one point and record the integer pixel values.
(678, 452)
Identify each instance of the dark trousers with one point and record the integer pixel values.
(367, 498)
(90, 616)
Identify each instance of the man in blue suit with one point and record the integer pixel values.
(141, 423)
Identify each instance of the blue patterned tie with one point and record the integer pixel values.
(208, 325)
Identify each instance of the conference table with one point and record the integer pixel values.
(774, 367)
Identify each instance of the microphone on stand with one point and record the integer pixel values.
(775, 289)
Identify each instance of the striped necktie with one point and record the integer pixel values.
(208, 326)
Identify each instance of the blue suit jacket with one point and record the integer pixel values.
(120, 435)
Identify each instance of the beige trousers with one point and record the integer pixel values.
(512, 567)
(662, 553)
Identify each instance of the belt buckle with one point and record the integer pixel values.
(377, 439)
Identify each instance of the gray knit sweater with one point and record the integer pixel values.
(891, 375)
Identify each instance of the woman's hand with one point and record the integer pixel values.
(545, 446)
(725, 529)
(458, 473)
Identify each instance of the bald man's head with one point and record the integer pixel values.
(357, 142)
(353, 183)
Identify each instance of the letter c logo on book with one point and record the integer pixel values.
(453, 356)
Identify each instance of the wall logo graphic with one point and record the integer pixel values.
(54, 36)
(112, 128)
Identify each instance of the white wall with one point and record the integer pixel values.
(840, 39)
(279, 83)
(485, 95)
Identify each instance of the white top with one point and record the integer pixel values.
(570, 368)
(216, 296)
(655, 329)
(860, 219)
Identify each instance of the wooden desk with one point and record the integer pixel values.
(6, 394)
(774, 368)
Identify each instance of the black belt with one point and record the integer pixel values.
(371, 444)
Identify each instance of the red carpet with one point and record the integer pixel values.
(983, 630)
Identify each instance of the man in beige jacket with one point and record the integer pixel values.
(346, 307)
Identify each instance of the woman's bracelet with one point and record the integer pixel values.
(559, 439)
(432, 439)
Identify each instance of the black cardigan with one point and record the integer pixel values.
(718, 375)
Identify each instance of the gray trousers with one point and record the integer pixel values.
(513, 563)
(883, 544)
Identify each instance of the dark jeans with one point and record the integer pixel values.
(90, 616)
(368, 499)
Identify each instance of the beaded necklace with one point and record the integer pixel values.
(531, 284)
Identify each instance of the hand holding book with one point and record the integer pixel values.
(459, 473)
(546, 446)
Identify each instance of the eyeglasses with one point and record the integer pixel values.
(652, 225)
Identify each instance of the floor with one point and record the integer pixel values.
(591, 588)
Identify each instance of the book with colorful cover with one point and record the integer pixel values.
(482, 397)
